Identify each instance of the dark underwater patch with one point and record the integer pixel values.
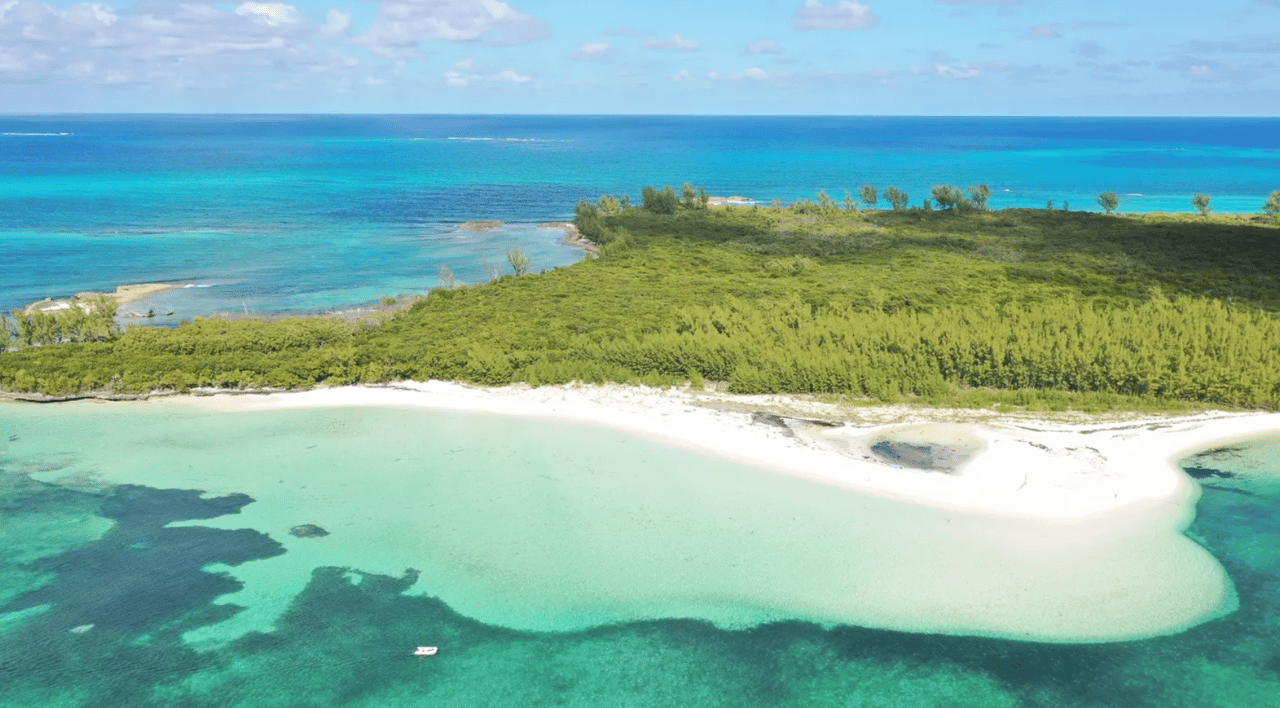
(118, 606)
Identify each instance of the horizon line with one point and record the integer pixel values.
(18, 114)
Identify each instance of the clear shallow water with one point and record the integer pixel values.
(152, 570)
(307, 213)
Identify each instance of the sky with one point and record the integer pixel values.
(765, 57)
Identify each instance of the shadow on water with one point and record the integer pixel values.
(347, 638)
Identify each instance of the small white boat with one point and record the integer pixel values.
(426, 651)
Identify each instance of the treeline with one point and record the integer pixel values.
(210, 353)
(1016, 306)
(1200, 350)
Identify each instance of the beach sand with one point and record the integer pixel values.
(1044, 469)
(123, 294)
(572, 237)
(1043, 530)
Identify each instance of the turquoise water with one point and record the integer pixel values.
(119, 589)
(309, 213)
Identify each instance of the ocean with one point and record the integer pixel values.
(165, 554)
(293, 214)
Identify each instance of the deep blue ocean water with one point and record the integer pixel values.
(310, 213)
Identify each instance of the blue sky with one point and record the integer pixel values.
(831, 57)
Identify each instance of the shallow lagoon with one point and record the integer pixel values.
(158, 572)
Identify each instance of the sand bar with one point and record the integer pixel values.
(480, 226)
(1049, 531)
(123, 294)
(1044, 470)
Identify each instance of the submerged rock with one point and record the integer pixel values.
(308, 531)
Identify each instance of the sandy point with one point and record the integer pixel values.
(1039, 468)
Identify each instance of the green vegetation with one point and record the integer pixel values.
(1201, 203)
(519, 261)
(1272, 205)
(898, 199)
(868, 195)
(86, 321)
(949, 197)
(1107, 200)
(1025, 307)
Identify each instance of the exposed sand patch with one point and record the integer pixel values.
(480, 225)
(572, 237)
(123, 294)
(1025, 467)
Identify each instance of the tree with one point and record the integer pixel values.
(1109, 201)
(520, 262)
(850, 204)
(949, 197)
(824, 201)
(1272, 205)
(664, 202)
(704, 199)
(897, 198)
(688, 195)
(1201, 203)
(447, 279)
(868, 195)
(608, 205)
(587, 218)
(1049, 205)
(980, 195)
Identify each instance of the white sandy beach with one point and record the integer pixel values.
(1030, 468)
(1052, 531)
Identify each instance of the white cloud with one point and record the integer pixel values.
(11, 63)
(178, 45)
(981, 2)
(336, 22)
(682, 75)
(962, 71)
(840, 15)
(1201, 71)
(594, 51)
(88, 14)
(1044, 32)
(756, 73)
(403, 24)
(510, 77)
(764, 46)
(271, 13)
(466, 73)
(675, 43)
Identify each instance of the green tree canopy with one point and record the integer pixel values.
(867, 194)
(897, 198)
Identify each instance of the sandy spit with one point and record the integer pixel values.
(1019, 466)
